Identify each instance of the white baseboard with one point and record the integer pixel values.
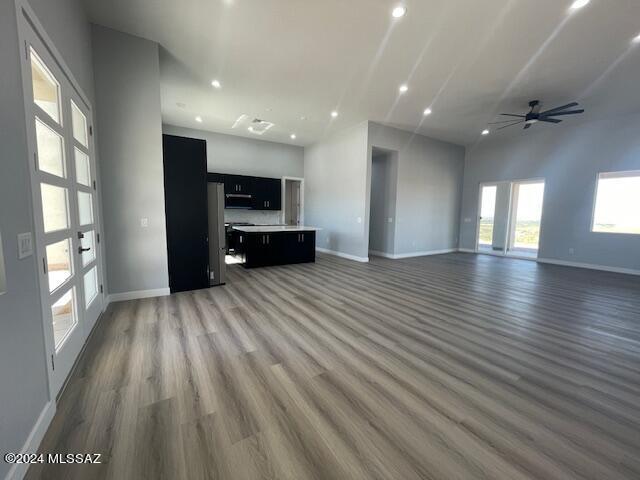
(396, 256)
(19, 470)
(591, 266)
(343, 255)
(119, 297)
(466, 250)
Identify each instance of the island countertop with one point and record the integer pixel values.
(275, 228)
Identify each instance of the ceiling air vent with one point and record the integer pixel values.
(259, 126)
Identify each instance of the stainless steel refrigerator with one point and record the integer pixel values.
(217, 235)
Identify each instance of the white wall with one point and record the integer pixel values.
(247, 156)
(129, 123)
(337, 191)
(569, 158)
(429, 190)
(23, 374)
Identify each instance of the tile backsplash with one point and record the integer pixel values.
(259, 217)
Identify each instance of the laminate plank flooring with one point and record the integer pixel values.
(456, 366)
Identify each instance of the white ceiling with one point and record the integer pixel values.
(281, 60)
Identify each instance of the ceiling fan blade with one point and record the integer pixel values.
(528, 125)
(549, 120)
(569, 112)
(511, 124)
(503, 121)
(557, 109)
(512, 115)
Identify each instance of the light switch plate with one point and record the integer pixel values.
(3, 275)
(144, 222)
(25, 245)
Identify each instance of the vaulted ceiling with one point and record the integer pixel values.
(293, 62)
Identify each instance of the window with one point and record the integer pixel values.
(617, 200)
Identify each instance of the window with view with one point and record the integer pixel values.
(617, 208)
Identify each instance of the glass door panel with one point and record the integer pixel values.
(524, 231)
(55, 207)
(46, 89)
(50, 150)
(487, 216)
(59, 263)
(64, 317)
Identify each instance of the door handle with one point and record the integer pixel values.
(82, 250)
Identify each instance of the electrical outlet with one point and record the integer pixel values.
(359, 219)
(144, 222)
(25, 245)
(571, 251)
(390, 220)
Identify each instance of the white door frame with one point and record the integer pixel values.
(29, 28)
(283, 215)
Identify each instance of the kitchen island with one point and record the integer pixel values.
(266, 245)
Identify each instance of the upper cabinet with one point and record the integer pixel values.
(250, 193)
(268, 194)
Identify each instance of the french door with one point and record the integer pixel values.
(63, 173)
(510, 217)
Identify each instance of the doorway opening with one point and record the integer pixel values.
(510, 217)
(382, 211)
(293, 201)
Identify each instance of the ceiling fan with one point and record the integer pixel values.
(535, 115)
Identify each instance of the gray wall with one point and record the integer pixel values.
(246, 156)
(24, 390)
(569, 158)
(129, 123)
(337, 191)
(430, 174)
(384, 179)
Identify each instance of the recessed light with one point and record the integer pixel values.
(216, 84)
(636, 39)
(579, 4)
(485, 132)
(199, 119)
(427, 112)
(399, 11)
(334, 114)
(403, 88)
(293, 136)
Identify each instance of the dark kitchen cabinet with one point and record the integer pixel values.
(186, 212)
(268, 194)
(250, 193)
(263, 249)
(279, 248)
(238, 184)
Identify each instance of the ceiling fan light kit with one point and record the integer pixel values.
(535, 115)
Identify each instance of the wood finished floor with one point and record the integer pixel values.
(448, 367)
